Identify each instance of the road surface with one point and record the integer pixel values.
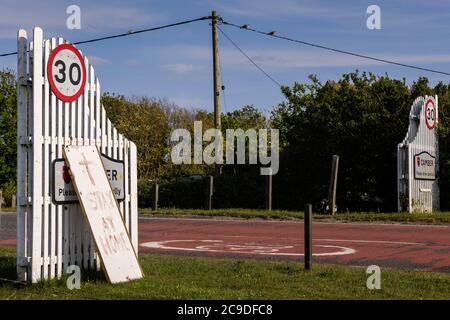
(422, 247)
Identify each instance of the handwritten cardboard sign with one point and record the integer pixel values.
(102, 213)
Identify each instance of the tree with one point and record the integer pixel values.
(8, 129)
(361, 118)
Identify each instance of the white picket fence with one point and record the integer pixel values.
(50, 236)
(416, 194)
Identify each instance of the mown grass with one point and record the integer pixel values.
(168, 277)
(388, 217)
(403, 217)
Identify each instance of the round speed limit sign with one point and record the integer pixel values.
(66, 72)
(430, 114)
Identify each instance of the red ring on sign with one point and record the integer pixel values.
(429, 126)
(55, 89)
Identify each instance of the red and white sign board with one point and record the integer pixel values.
(430, 114)
(102, 213)
(66, 72)
(418, 159)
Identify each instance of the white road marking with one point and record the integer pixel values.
(374, 241)
(334, 240)
(215, 245)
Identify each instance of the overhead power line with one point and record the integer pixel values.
(128, 33)
(8, 54)
(248, 57)
(274, 35)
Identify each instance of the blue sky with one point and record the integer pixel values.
(176, 64)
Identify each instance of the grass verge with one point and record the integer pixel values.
(403, 217)
(169, 277)
(387, 217)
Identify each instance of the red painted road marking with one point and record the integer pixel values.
(390, 245)
(8, 242)
(424, 247)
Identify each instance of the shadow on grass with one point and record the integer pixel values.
(7, 271)
(8, 276)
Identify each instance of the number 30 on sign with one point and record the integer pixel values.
(430, 114)
(66, 72)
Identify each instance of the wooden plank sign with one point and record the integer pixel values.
(102, 213)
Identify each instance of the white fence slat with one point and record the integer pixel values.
(72, 208)
(86, 107)
(85, 111)
(103, 126)
(30, 165)
(46, 168)
(98, 129)
(133, 197)
(126, 152)
(121, 204)
(115, 144)
(54, 271)
(37, 155)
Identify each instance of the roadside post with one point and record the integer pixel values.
(333, 185)
(1, 202)
(308, 236)
(268, 191)
(155, 197)
(209, 191)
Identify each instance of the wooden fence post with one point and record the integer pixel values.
(209, 191)
(268, 192)
(333, 185)
(155, 197)
(1, 201)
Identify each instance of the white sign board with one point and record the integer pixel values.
(424, 166)
(64, 192)
(102, 213)
(418, 159)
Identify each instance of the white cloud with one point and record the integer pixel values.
(51, 16)
(98, 61)
(282, 8)
(190, 102)
(178, 68)
(119, 17)
(131, 62)
(283, 59)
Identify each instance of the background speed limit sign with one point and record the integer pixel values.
(430, 114)
(66, 72)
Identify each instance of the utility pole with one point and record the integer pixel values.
(215, 48)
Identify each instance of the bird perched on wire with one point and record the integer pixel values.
(271, 33)
(245, 26)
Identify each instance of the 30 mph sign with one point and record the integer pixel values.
(66, 72)
(430, 114)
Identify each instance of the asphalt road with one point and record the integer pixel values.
(422, 247)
